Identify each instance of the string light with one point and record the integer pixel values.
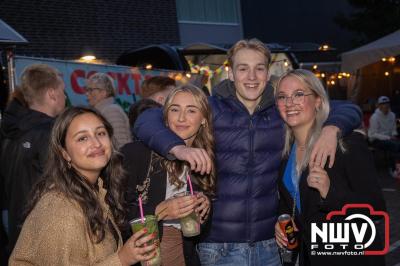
(178, 77)
(315, 67)
(149, 66)
(384, 59)
(88, 58)
(392, 59)
(324, 47)
(188, 75)
(387, 73)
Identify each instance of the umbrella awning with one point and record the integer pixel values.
(371, 52)
(9, 36)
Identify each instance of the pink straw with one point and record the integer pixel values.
(190, 184)
(141, 208)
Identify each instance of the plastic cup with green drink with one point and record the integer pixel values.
(190, 224)
(150, 223)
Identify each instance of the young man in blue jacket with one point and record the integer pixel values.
(249, 139)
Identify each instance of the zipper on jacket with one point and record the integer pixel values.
(250, 174)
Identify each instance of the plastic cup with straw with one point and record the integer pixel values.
(190, 225)
(151, 224)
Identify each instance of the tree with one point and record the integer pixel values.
(370, 19)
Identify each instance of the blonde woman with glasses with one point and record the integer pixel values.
(309, 192)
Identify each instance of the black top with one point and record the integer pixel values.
(136, 163)
(24, 137)
(353, 179)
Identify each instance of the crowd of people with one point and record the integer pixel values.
(72, 178)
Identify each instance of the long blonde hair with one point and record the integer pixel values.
(204, 139)
(310, 81)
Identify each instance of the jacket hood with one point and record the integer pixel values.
(226, 89)
(18, 119)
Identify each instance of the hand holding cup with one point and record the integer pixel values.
(180, 206)
(203, 206)
(134, 249)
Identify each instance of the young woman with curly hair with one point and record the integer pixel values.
(76, 208)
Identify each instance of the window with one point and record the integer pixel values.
(209, 11)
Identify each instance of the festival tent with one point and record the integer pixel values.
(8, 36)
(372, 73)
(386, 46)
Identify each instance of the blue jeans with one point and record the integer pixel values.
(262, 253)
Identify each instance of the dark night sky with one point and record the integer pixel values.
(286, 21)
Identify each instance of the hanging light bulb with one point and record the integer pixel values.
(285, 63)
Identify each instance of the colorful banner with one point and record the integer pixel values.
(127, 80)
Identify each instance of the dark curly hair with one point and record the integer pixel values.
(66, 180)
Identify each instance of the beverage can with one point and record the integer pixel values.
(286, 224)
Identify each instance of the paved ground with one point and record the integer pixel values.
(391, 192)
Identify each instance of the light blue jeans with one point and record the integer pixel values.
(262, 253)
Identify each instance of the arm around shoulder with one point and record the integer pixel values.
(344, 115)
(151, 129)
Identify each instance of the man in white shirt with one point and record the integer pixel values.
(382, 131)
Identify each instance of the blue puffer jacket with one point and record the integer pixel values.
(248, 155)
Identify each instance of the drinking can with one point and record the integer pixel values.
(286, 224)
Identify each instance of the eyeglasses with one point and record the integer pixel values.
(90, 90)
(296, 98)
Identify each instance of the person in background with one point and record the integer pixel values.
(77, 206)
(248, 134)
(187, 113)
(15, 96)
(382, 131)
(154, 92)
(25, 130)
(157, 88)
(309, 192)
(137, 108)
(100, 92)
(204, 81)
